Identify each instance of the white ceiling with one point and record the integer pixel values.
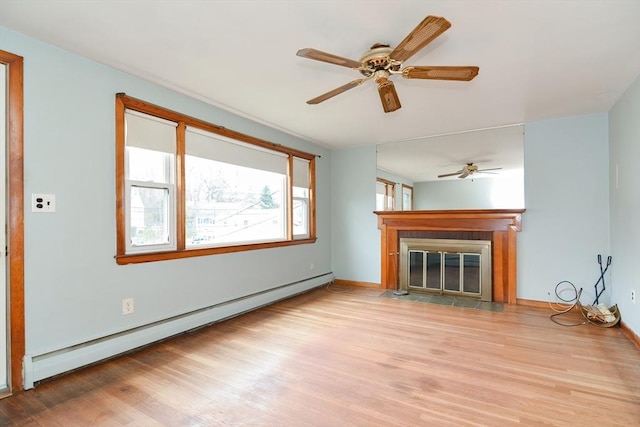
(538, 59)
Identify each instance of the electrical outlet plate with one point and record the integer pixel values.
(127, 306)
(633, 297)
(43, 203)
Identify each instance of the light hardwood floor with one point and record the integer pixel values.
(356, 359)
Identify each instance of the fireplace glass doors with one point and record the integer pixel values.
(454, 267)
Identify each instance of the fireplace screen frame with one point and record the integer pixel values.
(444, 246)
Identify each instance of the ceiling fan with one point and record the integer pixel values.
(467, 170)
(381, 62)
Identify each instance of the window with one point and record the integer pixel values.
(385, 195)
(407, 197)
(301, 185)
(149, 182)
(186, 188)
(235, 193)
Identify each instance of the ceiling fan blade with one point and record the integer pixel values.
(464, 174)
(388, 95)
(449, 174)
(336, 91)
(463, 73)
(430, 28)
(318, 55)
(490, 169)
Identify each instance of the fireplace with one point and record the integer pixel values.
(498, 226)
(446, 267)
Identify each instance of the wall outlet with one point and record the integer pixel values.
(127, 306)
(312, 266)
(633, 296)
(43, 203)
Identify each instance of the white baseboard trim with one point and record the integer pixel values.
(39, 367)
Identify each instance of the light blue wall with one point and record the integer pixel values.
(566, 224)
(624, 157)
(355, 239)
(73, 286)
(504, 192)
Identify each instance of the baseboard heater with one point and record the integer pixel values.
(43, 366)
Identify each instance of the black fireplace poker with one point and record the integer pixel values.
(601, 279)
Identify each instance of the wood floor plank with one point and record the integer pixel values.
(353, 358)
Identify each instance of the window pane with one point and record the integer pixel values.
(384, 195)
(231, 204)
(300, 217)
(380, 199)
(149, 214)
(149, 165)
(300, 188)
(407, 198)
(381, 196)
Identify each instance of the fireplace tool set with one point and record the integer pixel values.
(597, 313)
(602, 272)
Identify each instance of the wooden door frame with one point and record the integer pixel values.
(15, 215)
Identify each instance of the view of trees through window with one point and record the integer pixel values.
(228, 203)
(149, 216)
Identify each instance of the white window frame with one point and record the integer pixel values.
(305, 207)
(171, 218)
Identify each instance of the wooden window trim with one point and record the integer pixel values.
(389, 184)
(411, 188)
(289, 198)
(123, 103)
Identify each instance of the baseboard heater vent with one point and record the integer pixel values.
(43, 366)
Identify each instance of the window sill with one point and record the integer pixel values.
(137, 258)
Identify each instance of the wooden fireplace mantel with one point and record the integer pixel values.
(502, 224)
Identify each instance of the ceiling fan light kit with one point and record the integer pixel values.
(381, 61)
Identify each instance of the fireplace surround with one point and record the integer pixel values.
(446, 266)
(500, 226)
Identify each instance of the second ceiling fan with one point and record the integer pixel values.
(381, 61)
(467, 170)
